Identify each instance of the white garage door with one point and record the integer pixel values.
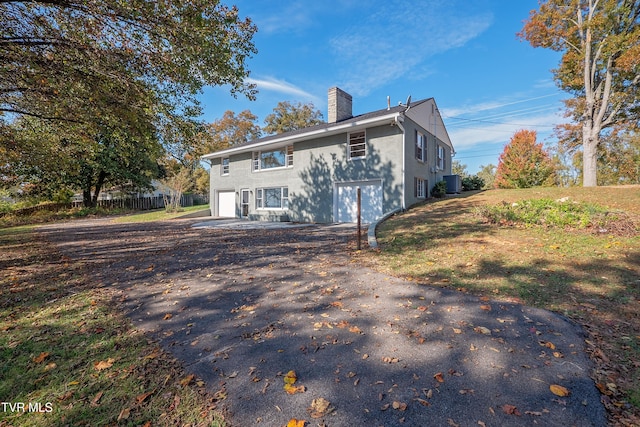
(347, 201)
(227, 204)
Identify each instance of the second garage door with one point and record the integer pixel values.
(371, 201)
(227, 204)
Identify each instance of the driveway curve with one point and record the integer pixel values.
(241, 308)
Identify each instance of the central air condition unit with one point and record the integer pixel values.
(453, 183)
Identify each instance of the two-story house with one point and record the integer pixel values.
(394, 155)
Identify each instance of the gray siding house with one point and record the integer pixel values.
(394, 155)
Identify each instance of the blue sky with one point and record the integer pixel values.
(465, 54)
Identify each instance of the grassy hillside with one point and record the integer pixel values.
(587, 269)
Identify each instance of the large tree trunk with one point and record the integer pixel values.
(590, 139)
(90, 200)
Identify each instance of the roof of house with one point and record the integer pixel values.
(317, 130)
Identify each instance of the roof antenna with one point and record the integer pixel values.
(407, 104)
(388, 103)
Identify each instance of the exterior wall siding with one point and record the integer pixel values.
(318, 166)
(321, 167)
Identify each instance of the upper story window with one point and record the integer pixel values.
(421, 147)
(280, 158)
(224, 168)
(357, 145)
(440, 157)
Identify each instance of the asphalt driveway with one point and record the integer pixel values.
(243, 307)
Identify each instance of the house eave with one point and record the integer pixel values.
(290, 139)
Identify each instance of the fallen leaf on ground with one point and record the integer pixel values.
(439, 377)
(124, 414)
(41, 357)
(422, 401)
(390, 359)
(319, 408)
(96, 398)
(400, 406)
(548, 344)
(187, 380)
(142, 397)
(485, 307)
(482, 330)
(65, 396)
(296, 423)
(292, 389)
(154, 354)
(558, 390)
(103, 364)
(289, 380)
(342, 324)
(167, 316)
(510, 410)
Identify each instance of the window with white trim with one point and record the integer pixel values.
(357, 147)
(421, 147)
(440, 157)
(224, 168)
(272, 159)
(272, 198)
(419, 188)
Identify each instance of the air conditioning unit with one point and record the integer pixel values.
(454, 184)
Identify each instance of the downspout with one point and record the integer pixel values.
(398, 121)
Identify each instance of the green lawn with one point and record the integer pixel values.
(67, 350)
(158, 214)
(591, 274)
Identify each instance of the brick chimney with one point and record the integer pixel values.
(339, 106)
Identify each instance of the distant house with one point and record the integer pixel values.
(394, 155)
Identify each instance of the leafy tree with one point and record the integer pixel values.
(619, 162)
(64, 59)
(48, 159)
(287, 117)
(524, 163)
(107, 86)
(457, 168)
(488, 175)
(228, 131)
(600, 66)
(174, 186)
(201, 180)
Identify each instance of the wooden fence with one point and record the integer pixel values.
(148, 203)
(137, 203)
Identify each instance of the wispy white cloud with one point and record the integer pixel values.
(283, 87)
(392, 42)
(491, 124)
(477, 134)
